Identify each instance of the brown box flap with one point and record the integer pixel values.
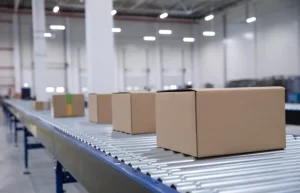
(121, 112)
(240, 120)
(176, 121)
(143, 112)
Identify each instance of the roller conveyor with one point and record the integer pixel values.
(272, 171)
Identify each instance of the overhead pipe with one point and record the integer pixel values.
(6, 67)
(6, 49)
(117, 18)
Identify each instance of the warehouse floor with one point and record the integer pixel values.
(42, 177)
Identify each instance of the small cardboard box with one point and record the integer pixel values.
(17, 96)
(40, 106)
(67, 105)
(214, 122)
(100, 108)
(133, 113)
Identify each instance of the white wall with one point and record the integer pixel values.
(6, 54)
(267, 47)
(270, 46)
(139, 58)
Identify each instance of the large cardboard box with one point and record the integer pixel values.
(213, 122)
(133, 113)
(40, 106)
(67, 105)
(100, 108)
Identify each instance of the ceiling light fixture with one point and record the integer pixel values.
(50, 89)
(116, 30)
(209, 33)
(163, 15)
(251, 19)
(60, 89)
(209, 17)
(113, 12)
(165, 32)
(57, 27)
(188, 39)
(55, 9)
(149, 38)
(47, 35)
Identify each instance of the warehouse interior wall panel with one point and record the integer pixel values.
(278, 38)
(211, 54)
(248, 51)
(263, 48)
(240, 46)
(6, 54)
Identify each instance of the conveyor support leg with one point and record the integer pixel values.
(62, 177)
(16, 129)
(27, 147)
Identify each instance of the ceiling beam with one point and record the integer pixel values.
(17, 4)
(137, 4)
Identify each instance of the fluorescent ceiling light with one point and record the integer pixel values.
(173, 87)
(55, 9)
(166, 87)
(47, 35)
(188, 39)
(209, 33)
(248, 35)
(251, 19)
(60, 89)
(26, 85)
(163, 15)
(149, 38)
(116, 30)
(209, 17)
(57, 27)
(49, 89)
(114, 12)
(165, 32)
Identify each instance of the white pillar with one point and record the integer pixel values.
(100, 55)
(195, 63)
(158, 66)
(68, 58)
(39, 49)
(17, 55)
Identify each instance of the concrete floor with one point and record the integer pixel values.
(42, 177)
(41, 166)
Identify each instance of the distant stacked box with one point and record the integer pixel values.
(293, 84)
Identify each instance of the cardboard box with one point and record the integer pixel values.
(100, 108)
(213, 122)
(133, 113)
(67, 105)
(17, 96)
(40, 106)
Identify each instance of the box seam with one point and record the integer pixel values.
(196, 123)
(131, 128)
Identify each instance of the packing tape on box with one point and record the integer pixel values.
(69, 105)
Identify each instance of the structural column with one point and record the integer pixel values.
(39, 49)
(195, 64)
(17, 55)
(100, 54)
(158, 67)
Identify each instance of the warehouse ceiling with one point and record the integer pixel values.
(190, 9)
